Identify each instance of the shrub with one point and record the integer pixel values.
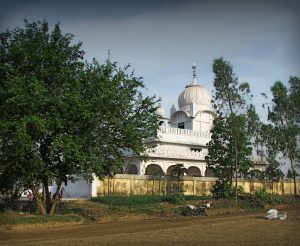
(176, 198)
(260, 199)
(222, 189)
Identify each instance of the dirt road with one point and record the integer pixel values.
(241, 229)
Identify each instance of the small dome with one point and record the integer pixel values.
(194, 93)
(160, 111)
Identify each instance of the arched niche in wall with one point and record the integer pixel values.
(131, 169)
(169, 170)
(194, 171)
(209, 172)
(179, 119)
(154, 169)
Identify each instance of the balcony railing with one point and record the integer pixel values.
(259, 159)
(185, 132)
(170, 152)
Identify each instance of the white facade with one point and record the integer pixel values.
(182, 139)
(183, 136)
(79, 189)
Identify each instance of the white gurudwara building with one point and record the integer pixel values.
(182, 138)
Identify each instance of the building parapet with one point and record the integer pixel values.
(171, 152)
(185, 132)
(183, 136)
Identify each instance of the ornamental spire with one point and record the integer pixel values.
(194, 82)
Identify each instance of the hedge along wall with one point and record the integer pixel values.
(124, 184)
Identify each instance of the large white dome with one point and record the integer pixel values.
(194, 93)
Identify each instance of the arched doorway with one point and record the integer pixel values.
(169, 170)
(194, 171)
(209, 172)
(154, 169)
(131, 169)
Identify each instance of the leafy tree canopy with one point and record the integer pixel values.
(284, 114)
(270, 138)
(62, 117)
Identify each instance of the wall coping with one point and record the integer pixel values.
(190, 178)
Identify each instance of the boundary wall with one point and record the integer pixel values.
(125, 184)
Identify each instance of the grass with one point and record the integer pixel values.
(117, 207)
(174, 204)
(259, 200)
(13, 218)
(155, 205)
(145, 199)
(146, 204)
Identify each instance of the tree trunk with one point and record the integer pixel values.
(53, 207)
(38, 201)
(43, 196)
(153, 187)
(236, 165)
(231, 175)
(236, 175)
(55, 199)
(41, 208)
(235, 152)
(47, 193)
(295, 185)
(294, 176)
(16, 193)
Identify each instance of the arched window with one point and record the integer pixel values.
(131, 169)
(169, 170)
(194, 171)
(209, 173)
(154, 169)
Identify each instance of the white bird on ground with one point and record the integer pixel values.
(272, 214)
(282, 216)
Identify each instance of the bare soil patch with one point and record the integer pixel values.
(228, 228)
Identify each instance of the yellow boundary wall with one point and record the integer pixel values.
(124, 184)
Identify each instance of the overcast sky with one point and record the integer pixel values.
(161, 39)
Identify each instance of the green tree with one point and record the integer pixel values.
(270, 139)
(230, 148)
(221, 153)
(254, 128)
(265, 140)
(219, 158)
(290, 174)
(62, 118)
(284, 114)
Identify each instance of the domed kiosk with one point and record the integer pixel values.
(195, 110)
(195, 97)
(194, 94)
